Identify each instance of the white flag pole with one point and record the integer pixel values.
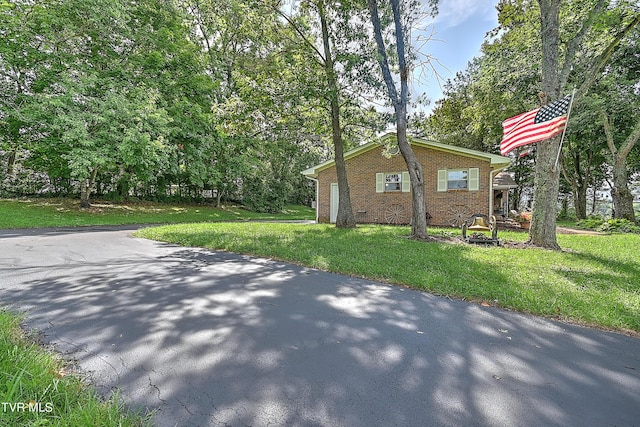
(573, 94)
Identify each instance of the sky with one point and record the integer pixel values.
(459, 30)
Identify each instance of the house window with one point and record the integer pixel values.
(459, 179)
(389, 182)
(392, 182)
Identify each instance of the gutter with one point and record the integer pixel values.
(317, 194)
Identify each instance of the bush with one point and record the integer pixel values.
(265, 196)
(614, 225)
(619, 226)
(594, 222)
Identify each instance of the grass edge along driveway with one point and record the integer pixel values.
(594, 280)
(39, 388)
(63, 212)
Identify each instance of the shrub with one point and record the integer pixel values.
(619, 226)
(594, 222)
(266, 196)
(614, 225)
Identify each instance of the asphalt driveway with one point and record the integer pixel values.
(209, 338)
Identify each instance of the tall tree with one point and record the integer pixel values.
(345, 217)
(336, 53)
(232, 37)
(117, 96)
(106, 115)
(581, 158)
(24, 35)
(617, 102)
(558, 62)
(402, 15)
(620, 193)
(109, 87)
(256, 103)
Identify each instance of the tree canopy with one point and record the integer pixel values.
(539, 51)
(231, 99)
(155, 99)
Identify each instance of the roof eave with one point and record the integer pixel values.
(496, 161)
(310, 173)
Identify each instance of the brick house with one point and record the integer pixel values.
(459, 182)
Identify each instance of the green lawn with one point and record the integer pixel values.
(595, 280)
(31, 213)
(36, 388)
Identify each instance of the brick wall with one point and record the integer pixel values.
(445, 208)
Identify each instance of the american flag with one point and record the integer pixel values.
(536, 125)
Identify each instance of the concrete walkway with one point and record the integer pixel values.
(208, 338)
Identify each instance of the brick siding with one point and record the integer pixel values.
(445, 208)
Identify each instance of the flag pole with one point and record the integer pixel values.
(573, 94)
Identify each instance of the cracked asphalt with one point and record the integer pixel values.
(208, 338)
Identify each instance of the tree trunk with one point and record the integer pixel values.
(11, 163)
(545, 200)
(86, 186)
(84, 194)
(579, 192)
(547, 177)
(419, 211)
(622, 197)
(580, 202)
(545, 205)
(419, 214)
(594, 201)
(578, 180)
(345, 217)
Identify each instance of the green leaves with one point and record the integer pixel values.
(159, 94)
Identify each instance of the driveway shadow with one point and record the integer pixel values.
(212, 338)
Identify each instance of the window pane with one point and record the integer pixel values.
(393, 182)
(458, 175)
(457, 185)
(458, 180)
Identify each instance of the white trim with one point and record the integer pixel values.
(317, 197)
(405, 182)
(380, 182)
(491, 190)
(333, 220)
(473, 179)
(443, 179)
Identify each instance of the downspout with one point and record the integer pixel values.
(491, 175)
(317, 195)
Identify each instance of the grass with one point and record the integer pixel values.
(595, 280)
(37, 390)
(31, 213)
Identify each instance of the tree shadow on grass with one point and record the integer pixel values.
(600, 279)
(210, 338)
